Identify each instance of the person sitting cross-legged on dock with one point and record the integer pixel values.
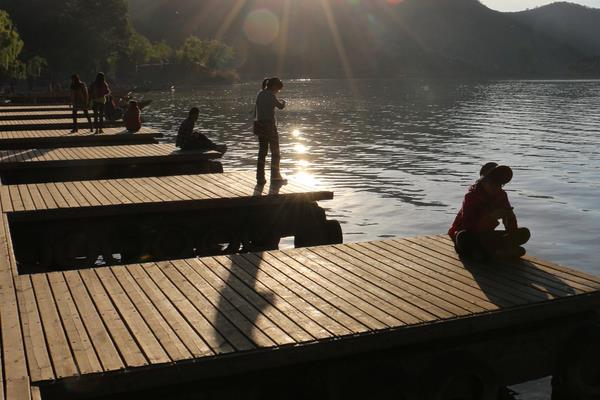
(79, 101)
(133, 117)
(474, 229)
(188, 139)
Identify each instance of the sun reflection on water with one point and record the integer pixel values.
(306, 178)
(300, 148)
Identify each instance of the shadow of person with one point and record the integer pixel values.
(516, 282)
(241, 303)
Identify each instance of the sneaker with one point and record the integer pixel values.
(101, 131)
(73, 130)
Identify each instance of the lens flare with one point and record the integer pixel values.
(261, 27)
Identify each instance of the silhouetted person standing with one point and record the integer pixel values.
(265, 127)
(79, 100)
(474, 229)
(188, 139)
(98, 91)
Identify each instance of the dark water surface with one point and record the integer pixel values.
(401, 154)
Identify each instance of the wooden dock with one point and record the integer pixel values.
(400, 318)
(41, 115)
(53, 138)
(36, 108)
(49, 124)
(209, 191)
(101, 331)
(103, 162)
(59, 225)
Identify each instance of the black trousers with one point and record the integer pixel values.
(264, 143)
(85, 112)
(98, 109)
(486, 244)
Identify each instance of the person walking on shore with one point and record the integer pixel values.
(265, 128)
(79, 100)
(188, 139)
(98, 91)
(474, 229)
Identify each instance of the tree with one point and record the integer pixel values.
(211, 54)
(10, 48)
(73, 35)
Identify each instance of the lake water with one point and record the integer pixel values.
(400, 154)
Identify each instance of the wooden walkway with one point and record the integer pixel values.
(103, 162)
(44, 139)
(40, 115)
(52, 123)
(93, 326)
(75, 156)
(92, 198)
(36, 108)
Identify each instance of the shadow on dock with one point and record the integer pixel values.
(522, 281)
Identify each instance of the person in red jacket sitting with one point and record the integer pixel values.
(132, 117)
(474, 229)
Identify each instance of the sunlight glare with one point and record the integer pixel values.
(300, 148)
(303, 163)
(306, 179)
(296, 133)
(261, 27)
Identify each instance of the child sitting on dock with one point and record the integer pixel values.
(133, 117)
(265, 127)
(188, 139)
(473, 231)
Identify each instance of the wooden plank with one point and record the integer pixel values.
(225, 294)
(399, 275)
(150, 345)
(160, 327)
(15, 197)
(405, 312)
(502, 287)
(338, 297)
(125, 343)
(76, 332)
(60, 351)
(455, 272)
(396, 288)
(101, 340)
(524, 280)
(40, 366)
(278, 311)
(195, 313)
(183, 329)
(454, 291)
(335, 321)
(220, 323)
